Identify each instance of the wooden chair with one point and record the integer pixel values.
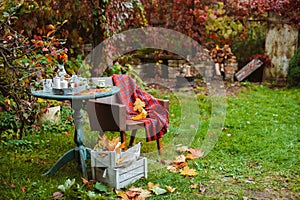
(107, 114)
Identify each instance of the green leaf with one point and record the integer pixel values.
(157, 190)
(100, 187)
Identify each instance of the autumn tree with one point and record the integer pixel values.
(223, 21)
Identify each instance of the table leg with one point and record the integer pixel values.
(80, 153)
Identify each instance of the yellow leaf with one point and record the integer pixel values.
(142, 115)
(188, 172)
(189, 157)
(170, 189)
(138, 105)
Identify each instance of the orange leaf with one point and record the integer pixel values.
(194, 186)
(189, 157)
(179, 165)
(151, 185)
(23, 189)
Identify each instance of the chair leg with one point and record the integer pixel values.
(123, 138)
(159, 146)
(133, 133)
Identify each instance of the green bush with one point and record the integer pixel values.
(294, 70)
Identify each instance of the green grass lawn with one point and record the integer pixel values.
(256, 156)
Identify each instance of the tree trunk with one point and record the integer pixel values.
(281, 45)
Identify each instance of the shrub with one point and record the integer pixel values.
(294, 70)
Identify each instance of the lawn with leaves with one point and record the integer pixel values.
(256, 156)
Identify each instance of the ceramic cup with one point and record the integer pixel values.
(47, 85)
(101, 83)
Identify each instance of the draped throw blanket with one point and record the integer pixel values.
(156, 123)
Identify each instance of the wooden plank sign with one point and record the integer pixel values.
(248, 69)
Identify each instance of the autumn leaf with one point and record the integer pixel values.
(202, 189)
(196, 152)
(132, 194)
(106, 144)
(179, 159)
(57, 195)
(172, 169)
(182, 149)
(170, 189)
(188, 172)
(189, 157)
(23, 189)
(122, 146)
(144, 194)
(151, 185)
(138, 105)
(122, 194)
(141, 115)
(179, 165)
(194, 186)
(157, 190)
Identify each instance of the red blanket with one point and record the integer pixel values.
(156, 123)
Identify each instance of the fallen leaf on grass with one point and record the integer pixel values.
(23, 189)
(132, 194)
(179, 165)
(189, 157)
(172, 169)
(157, 190)
(151, 185)
(182, 149)
(196, 152)
(188, 172)
(57, 195)
(179, 159)
(170, 189)
(144, 194)
(202, 189)
(194, 186)
(122, 194)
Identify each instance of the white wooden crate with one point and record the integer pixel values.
(111, 159)
(120, 177)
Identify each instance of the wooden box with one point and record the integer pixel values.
(120, 177)
(111, 159)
